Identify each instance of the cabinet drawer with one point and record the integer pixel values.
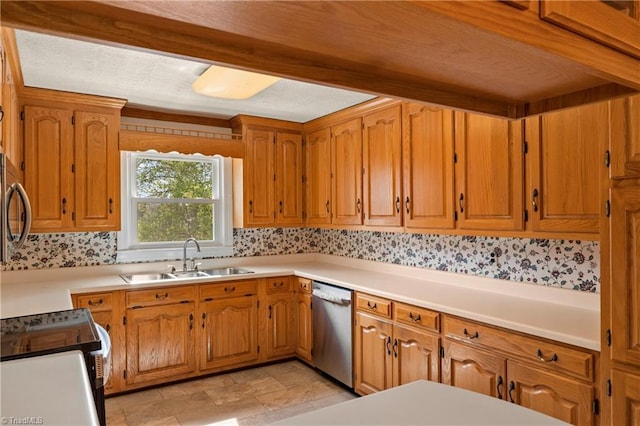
(160, 296)
(227, 289)
(278, 284)
(304, 285)
(547, 354)
(416, 316)
(373, 304)
(95, 301)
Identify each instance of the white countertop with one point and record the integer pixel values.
(424, 403)
(567, 316)
(48, 390)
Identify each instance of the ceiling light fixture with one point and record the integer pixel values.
(229, 83)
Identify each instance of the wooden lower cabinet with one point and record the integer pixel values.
(415, 356)
(625, 409)
(304, 316)
(279, 320)
(160, 343)
(229, 332)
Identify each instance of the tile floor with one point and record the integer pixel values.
(256, 396)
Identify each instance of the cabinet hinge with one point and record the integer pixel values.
(455, 157)
(609, 387)
(607, 158)
(609, 337)
(441, 352)
(258, 348)
(73, 168)
(258, 304)
(525, 147)
(596, 406)
(311, 305)
(124, 374)
(73, 215)
(124, 320)
(73, 120)
(525, 214)
(274, 177)
(22, 115)
(304, 216)
(304, 179)
(607, 208)
(455, 215)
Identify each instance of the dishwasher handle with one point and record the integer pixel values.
(331, 297)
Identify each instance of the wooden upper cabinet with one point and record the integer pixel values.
(382, 167)
(318, 177)
(346, 158)
(289, 178)
(624, 141)
(489, 172)
(615, 23)
(564, 162)
(260, 173)
(428, 167)
(97, 171)
(48, 143)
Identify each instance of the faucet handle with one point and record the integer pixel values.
(194, 265)
(173, 268)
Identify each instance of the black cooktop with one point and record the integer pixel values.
(48, 333)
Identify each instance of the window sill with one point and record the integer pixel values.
(170, 254)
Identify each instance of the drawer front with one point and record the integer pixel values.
(304, 285)
(416, 316)
(228, 289)
(95, 301)
(160, 296)
(278, 284)
(373, 304)
(546, 354)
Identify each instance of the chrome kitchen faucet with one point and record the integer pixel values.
(184, 254)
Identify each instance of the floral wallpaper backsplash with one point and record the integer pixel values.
(571, 264)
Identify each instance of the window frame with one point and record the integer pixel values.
(130, 250)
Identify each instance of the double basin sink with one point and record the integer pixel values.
(174, 275)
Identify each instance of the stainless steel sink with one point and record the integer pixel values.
(214, 272)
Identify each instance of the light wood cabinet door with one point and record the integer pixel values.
(346, 159)
(260, 174)
(373, 360)
(289, 178)
(565, 399)
(625, 408)
(469, 368)
(382, 167)
(304, 315)
(416, 356)
(428, 167)
(229, 332)
(318, 177)
(97, 171)
(160, 343)
(565, 159)
(11, 125)
(625, 277)
(48, 145)
(489, 173)
(280, 324)
(613, 23)
(624, 140)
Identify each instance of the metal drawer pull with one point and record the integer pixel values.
(470, 336)
(279, 285)
(541, 357)
(499, 387)
(162, 296)
(416, 318)
(98, 303)
(230, 289)
(370, 306)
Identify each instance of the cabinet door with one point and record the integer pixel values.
(489, 172)
(564, 164)
(415, 356)
(97, 172)
(382, 152)
(304, 341)
(160, 343)
(48, 145)
(259, 170)
(428, 167)
(289, 178)
(625, 276)
(475, 370)
(229, 332)
(318, 177)
(624, 141)
(346, 159)
(281, 338)
(613, 23)
(11, 125)
(565, 399)
(625, 409)
(373, 360)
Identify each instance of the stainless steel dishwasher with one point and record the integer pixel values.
(332, 331)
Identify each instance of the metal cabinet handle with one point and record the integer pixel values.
(190, 321)
(96, 303)
(278, 284)
(470, 336)
(250, 206)
(499, 387)
(406, 204)
(204, 317)
(541, 357)
(327, 206)
(512, 387)
(397, 204)
(110, 205)
(230, 289)
(280, 207)
(370, 306)
(1, 113)
(395, 348)
(162, 296)
(460, 202)
(416, 318)
(270, 310)
(64, 206)
(534, 200)
(388, 344)
(358, 205)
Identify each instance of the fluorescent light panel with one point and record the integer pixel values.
(229, 83)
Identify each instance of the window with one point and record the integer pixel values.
(167, 198)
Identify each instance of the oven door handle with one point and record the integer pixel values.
(26, 205)
(330, 297)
